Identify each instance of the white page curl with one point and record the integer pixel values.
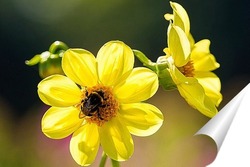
(230, 129)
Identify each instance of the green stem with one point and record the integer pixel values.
(103, 160)
(145, 60)
(115, 163)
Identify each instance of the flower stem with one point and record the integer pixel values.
(103, 160)
(145, 60)
(115, 163)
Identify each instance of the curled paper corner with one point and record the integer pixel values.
(230, 129)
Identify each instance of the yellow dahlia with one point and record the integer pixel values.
(190, 64)
(99, 102)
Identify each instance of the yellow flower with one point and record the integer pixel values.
(99, 101)
(190, 64)
(180, 18)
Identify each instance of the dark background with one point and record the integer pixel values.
(29, 27)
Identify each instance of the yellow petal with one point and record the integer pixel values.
(167, 52)
(193, 92)
(60, 122)
(179, 46)
(80, 66)
(169, 16)
(211, 84)
(202, 59)
(176, 75)
(141, 84)
(115, 59)
(195, 96)
(191, 40)
(116, 140)
(84, 144)
(181, 18)
(142, 119)
(59, 91)
(202, 46)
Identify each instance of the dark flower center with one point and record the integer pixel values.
(188, 69)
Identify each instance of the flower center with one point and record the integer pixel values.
(98, 105)
(187, 69)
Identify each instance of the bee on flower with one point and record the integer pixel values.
(100, 102)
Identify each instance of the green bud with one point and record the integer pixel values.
(49, 62)
(58, 47)
(162, 70)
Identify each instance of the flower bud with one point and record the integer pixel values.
(49, 62)
(165, 79)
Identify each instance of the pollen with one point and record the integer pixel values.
(98, 105)
(188, 69)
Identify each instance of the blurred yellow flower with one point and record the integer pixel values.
(190, 64)
(99, 101)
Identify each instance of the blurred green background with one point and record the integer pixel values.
(28, 27)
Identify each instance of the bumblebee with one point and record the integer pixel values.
(91, 104)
